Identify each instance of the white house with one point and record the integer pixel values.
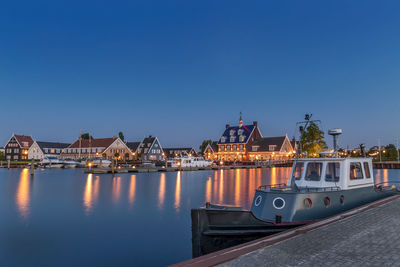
(39, 150)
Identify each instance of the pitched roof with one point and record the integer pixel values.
(133, 145)
(264, 143)
(214, 145)
(173, 151)
(99, 142)
(147, 142)
(236, 134)
(43, 145)
(23, 138)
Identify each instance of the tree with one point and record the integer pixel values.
(86, 136)
(312, 140)
(121, 135)
(2, 157)
(389, 153)
(127, 156)
(204, 145)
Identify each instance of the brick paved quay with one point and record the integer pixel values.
(366, 236)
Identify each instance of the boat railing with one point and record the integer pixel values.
(272, 187)
(319, 189)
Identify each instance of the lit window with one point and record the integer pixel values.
(355, 171)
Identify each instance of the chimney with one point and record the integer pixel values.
(227, 126)
(255, 123)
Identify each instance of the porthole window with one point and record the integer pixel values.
(278, 203)
(327, 201)
(307, 203)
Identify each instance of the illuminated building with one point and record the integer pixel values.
(179, 151)
(272, 148)
(211, 150)
(236, 141)
(109, 148)
(39, 150)
(17, 147)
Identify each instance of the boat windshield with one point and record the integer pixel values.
(314, 170)
(298, 170)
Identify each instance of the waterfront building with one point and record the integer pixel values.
(150, 149)
(17, 147)
(236, 141)
(178, 151)
(39, 149)
(108, 148)
(211, 150)
(271, 148)
(133, 146)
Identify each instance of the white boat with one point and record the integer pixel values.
(70, 163)
(52, 162)
(99, 162)
(188, 162)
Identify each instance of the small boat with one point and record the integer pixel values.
(51, 162)
(317, 188)
(187, 161)
(99, 162)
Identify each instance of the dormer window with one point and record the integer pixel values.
(241, 138)
(232, 138)
(240, 131)
(231, 132)
(223, 139)
(254, 148)
(272, 147)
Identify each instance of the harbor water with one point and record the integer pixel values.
(69, 218)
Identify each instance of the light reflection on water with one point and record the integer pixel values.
(22, 195)
(132, 189)
(129, 219)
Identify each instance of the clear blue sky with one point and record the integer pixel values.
(181, 70)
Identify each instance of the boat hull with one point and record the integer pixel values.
(219, 227)
(323, 203)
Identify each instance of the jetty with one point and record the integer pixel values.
(169, 169)
(365, 236)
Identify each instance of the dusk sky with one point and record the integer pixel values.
(181, 70)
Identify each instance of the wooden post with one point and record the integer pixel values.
(8, 163)
(112, 166)
(32, 169)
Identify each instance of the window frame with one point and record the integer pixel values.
(320, 175)
(333, 179)
(301, 172)
(361, 171)
(366, 167)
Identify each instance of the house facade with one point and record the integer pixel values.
(236, 141)
(109, 148)
(39, 149)
(211, 150)
(178, 151)
(271, 148)
(17, 147)
(150, 149)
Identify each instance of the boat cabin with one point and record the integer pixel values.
(343, 173)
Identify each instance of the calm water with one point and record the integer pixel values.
(66, 217)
